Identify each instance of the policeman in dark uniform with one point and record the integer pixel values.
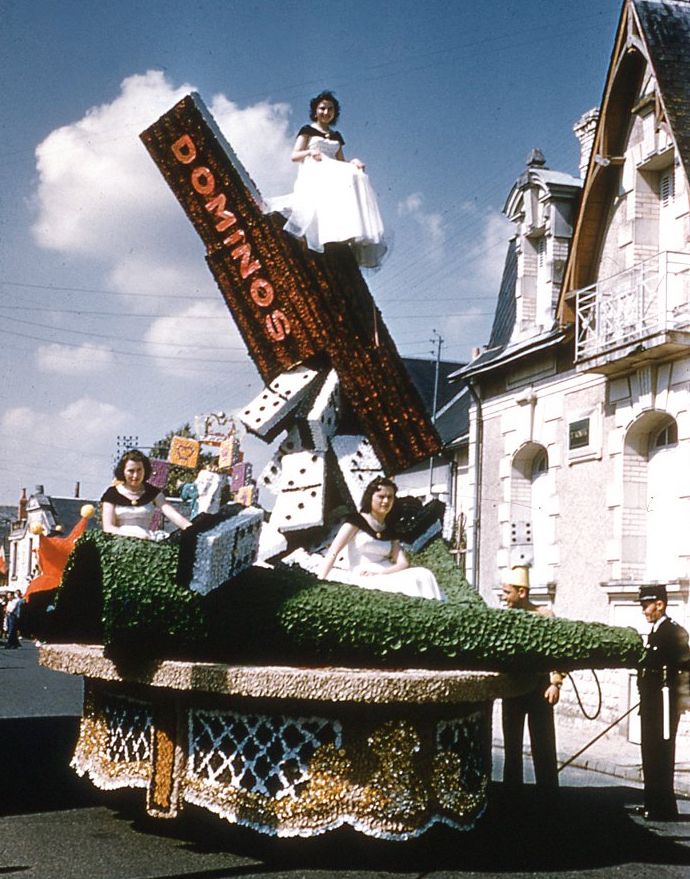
(666, 655)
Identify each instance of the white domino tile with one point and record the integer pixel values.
(300, 502)
(301, 508)
(277, 401)
(357, 462)
(322, 419)
(269, 478)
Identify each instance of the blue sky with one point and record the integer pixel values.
(110, 323)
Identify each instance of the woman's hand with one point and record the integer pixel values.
(342, 538)
(358, 163)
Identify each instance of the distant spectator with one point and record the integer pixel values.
(12, 613)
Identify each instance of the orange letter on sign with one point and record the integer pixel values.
(261, 292)
(225, 218)
(203, 181)
(184, 149)
(243, 253)
(277, 325)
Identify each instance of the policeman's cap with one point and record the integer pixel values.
(652, 593)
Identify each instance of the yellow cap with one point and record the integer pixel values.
(518, 577)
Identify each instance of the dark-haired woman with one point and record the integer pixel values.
(367, 553)
(333, 199)
(129, 504)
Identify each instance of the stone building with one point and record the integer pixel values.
(580, 432)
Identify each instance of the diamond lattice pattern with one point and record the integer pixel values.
(129, 731)
(269, 755)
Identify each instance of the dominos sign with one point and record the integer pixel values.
(290, 304)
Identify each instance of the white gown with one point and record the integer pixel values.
(132, 517)
(367, 553)
(333, 201)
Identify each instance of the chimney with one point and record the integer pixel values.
(77, 487)
(21, 506)
(585, 129)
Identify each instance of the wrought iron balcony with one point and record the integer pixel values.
(641, 313)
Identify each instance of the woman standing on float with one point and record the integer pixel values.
(333, 200)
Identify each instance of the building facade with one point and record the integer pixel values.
(580, 434)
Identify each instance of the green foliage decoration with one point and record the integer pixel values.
(140, 610)
(284, 615)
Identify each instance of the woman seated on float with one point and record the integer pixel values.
(333, 200)
(366, 551)
(129, 504)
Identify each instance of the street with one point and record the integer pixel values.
(53, 824)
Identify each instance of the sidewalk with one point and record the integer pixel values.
(612, 754)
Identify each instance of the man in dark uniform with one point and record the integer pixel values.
(666, 656)
(536, 706)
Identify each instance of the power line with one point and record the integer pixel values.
(57, 289)
(119, 338)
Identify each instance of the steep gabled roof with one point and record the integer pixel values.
(504, 316)
(452, 404)
(654, 32)
(666, 29)
(500, 351)
(68, 512)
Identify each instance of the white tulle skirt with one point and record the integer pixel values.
(334, 202)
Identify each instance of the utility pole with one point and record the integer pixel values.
(437, 341)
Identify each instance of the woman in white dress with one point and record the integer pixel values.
(333, 199)
(129, 504)
(367, 553)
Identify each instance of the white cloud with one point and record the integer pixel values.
(100, 197)
(72, 360)
(428, 222)
(488, 251)
(200, 339)
(262, 139)
(99, 193)
(70, 444)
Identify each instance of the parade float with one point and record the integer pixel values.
(218, 672)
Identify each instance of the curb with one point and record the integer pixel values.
(627, 772)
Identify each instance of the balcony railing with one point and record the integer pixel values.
(651, 298)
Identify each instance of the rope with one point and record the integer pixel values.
(579, 700)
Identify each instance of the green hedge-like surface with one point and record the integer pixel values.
(286, 616)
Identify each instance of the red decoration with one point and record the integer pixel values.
(53, 553)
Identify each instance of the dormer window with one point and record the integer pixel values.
(666, 188)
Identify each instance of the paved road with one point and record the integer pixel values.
(54, 825)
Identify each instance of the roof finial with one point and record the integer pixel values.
(536, 159)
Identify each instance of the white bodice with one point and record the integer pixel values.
(326, 147)
(141, 516)
(366, 553)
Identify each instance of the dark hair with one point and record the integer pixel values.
(132, 455)
(372, 488)
(324, 96)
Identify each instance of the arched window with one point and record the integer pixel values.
(652, 537)
(667, 436)
(531, 522)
